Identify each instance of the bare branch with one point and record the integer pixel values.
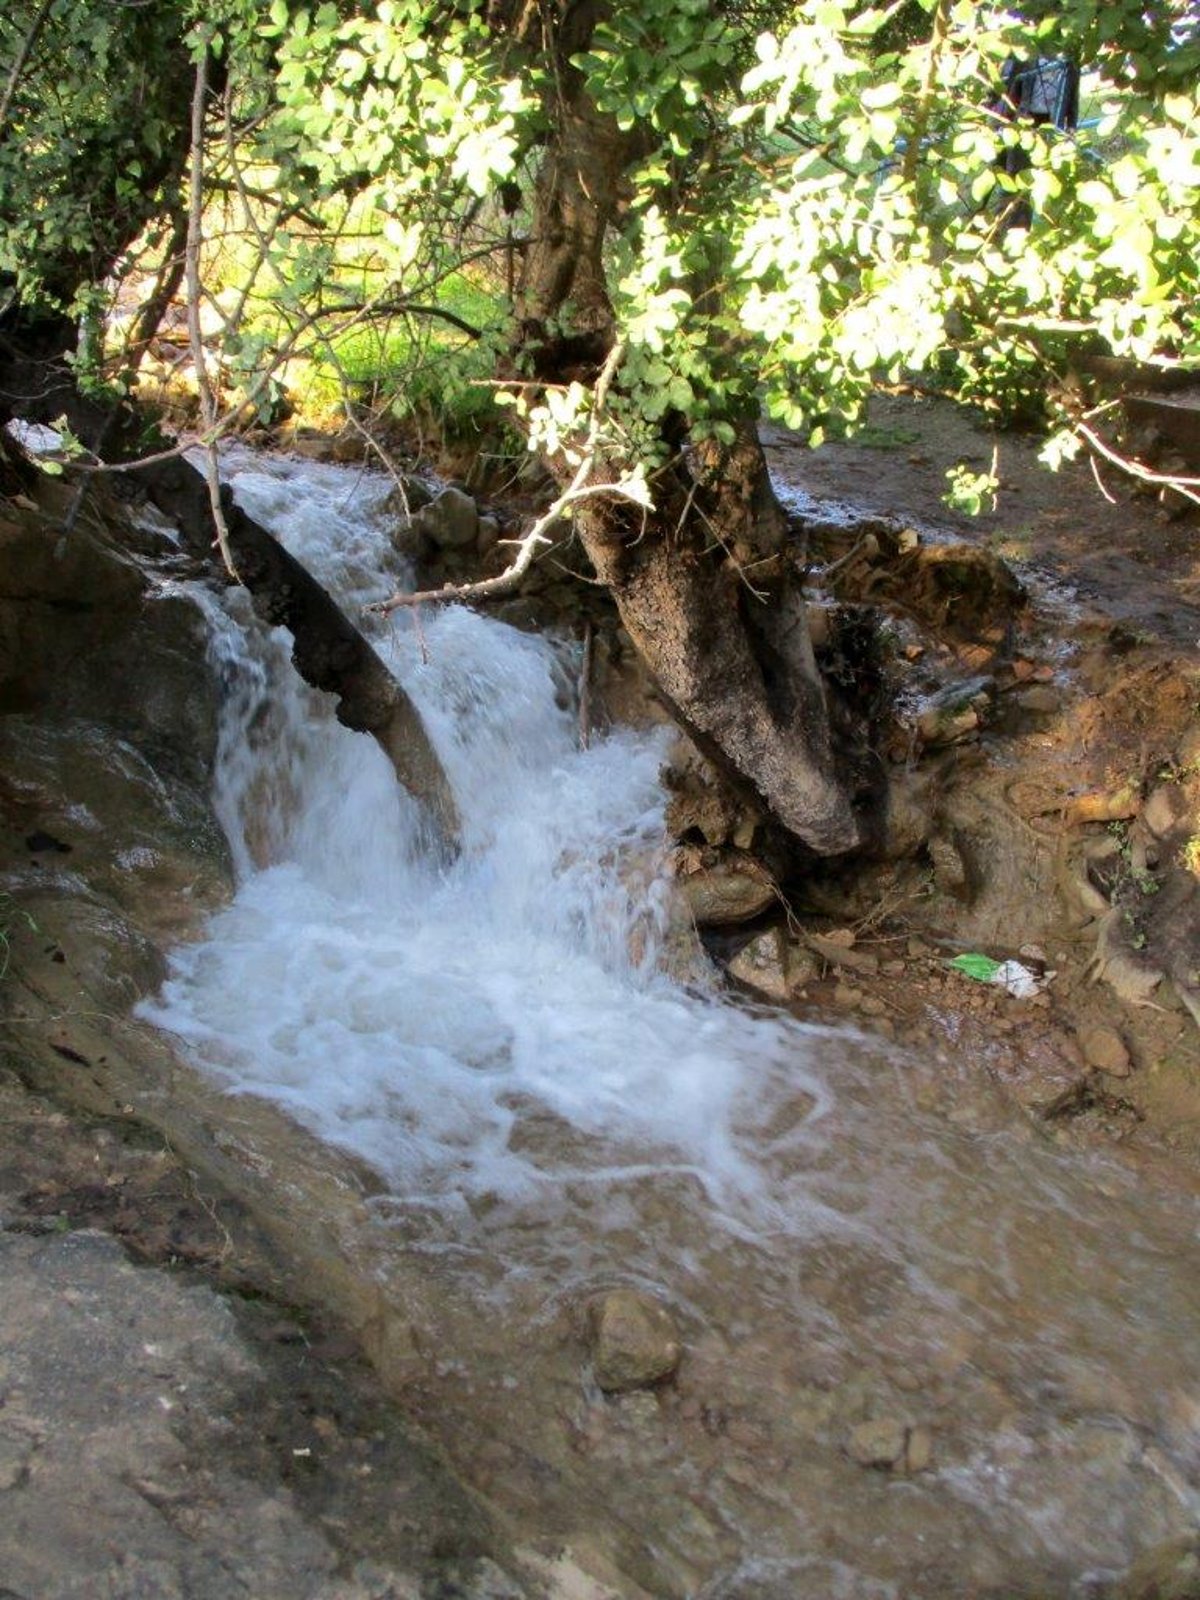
(527, 548)
(22, 59)
(1100, 484)
(166, 286)
(195, 237)
(1165, 480)
(538, 535)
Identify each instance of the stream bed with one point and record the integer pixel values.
(926, 1355)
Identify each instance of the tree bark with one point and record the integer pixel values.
(328, 651)
(710, 584)
(711, 594)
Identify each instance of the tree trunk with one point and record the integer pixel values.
(710, 592)
(328, 651)
(708, 585)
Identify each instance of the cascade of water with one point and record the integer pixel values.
(483, 1036)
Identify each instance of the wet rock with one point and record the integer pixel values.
(409, 495)
(40, 840)
(762, 966)
(110, 1365)
(918, 1450)
(1104, 1050)
(879, 1442)
(943, 725)
(480, 1579)
(836, 950)
(1169, 1571)
(1165, 808)
(773, 966)
(1041, 700)
(451, 521)
(802, 969)
(949, 868)
(734, 890)
(635, 1342)
(955, 712)
(488, 535)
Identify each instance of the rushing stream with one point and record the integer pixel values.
(549, 1115)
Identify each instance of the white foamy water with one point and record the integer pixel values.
(548, 1111)
(404, 1008)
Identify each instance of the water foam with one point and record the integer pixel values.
(416, 1013)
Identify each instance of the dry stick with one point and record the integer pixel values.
(528, 545)
(585, 689)
(1165, 480)
(1095, 466)
(195, 235)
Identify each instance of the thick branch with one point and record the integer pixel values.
(329, 652)
(166, 286)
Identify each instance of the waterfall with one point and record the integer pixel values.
(547, 1110)
(398, 1006)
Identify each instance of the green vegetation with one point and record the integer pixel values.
(652, 222)
(814, 196)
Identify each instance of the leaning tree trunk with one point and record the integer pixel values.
(328, 651)
(710, 592)
(709, 586)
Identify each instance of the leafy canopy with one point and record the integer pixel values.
(816, 197)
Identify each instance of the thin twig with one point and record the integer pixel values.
(1165, 480)
(195, 237)
(1100, 484)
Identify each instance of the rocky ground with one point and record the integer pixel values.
(182, 1413)
(168, 1429)
(179, 1415)
(1057, 778)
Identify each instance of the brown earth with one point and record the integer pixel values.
(1061, 822)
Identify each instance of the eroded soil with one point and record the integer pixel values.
(1066, 812)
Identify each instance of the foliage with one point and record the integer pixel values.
(90, 137)
(816, 196)
(810, 211)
